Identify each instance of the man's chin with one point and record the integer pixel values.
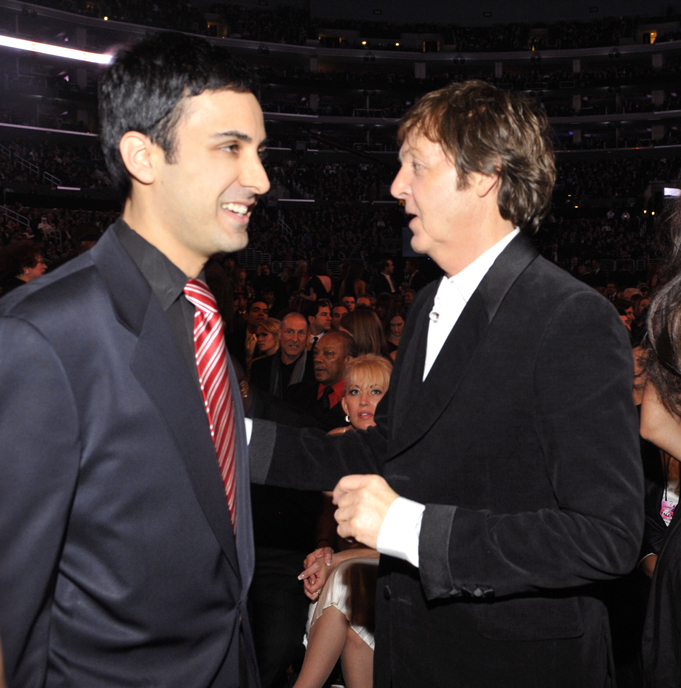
(416, 247)
(233, 238)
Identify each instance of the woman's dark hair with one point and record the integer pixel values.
(146, 85)
(354, 273)
(17, 256)
(365, 327)
(394, 313)
(663, 337)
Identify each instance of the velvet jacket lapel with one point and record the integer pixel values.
(419, 403)
(161, 370)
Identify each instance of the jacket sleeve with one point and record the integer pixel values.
(311, 460)
(587, 428)
(39, 460)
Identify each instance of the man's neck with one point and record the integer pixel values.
(287, 360)
(139, 219)
(460, 257)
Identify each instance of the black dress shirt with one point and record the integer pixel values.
(167, 282)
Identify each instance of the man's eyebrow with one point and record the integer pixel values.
(233, 134)
(402, 153)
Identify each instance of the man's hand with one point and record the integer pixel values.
(362, 501)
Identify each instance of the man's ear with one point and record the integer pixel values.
(138, 155)
(484, 183)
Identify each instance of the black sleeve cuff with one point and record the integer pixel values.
(436, 529)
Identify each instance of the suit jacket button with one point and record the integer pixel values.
(386, 592)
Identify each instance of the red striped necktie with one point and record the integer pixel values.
(211, 362)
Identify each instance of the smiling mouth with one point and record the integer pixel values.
(241, 210)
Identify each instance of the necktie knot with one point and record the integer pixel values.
(198, 294)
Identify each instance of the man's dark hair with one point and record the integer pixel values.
(346, 341)
(311, 308)
(146, 85)
(250, 305)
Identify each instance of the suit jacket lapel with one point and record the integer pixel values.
(419, 403)
(161, 370)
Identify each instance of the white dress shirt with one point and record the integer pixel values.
(399, 534)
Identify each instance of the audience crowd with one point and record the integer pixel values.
(295, 26)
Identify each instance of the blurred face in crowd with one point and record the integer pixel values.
(396, 327)
(362, 395)
(239, 302)
(628, 317)
(337, 315)
(330, 360)
(349, 302)
(267, 342)
(364, 302)
(641, 307)
(408, 297)
(321, 322)
(389, 268)
(256, 314)
(292, 337)
(28, 274)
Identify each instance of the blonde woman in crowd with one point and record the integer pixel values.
(341, 619)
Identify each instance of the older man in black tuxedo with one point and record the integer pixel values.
(506, 471)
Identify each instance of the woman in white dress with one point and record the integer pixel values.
(341, 618)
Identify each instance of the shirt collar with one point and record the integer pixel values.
(167, 281)
(336, 395)
(468, 280)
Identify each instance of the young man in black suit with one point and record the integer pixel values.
(503, 477)
(121, 561)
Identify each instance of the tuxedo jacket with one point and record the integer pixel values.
(522, 442)
(303, 396)
(381, 285)
(119, 565)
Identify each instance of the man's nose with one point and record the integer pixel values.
(253, 176)
(399, 184)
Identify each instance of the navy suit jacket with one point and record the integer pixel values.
(118, 561)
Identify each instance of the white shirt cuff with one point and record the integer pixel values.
(400, 531)
(249, 429)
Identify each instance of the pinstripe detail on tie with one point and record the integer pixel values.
(211, 362)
